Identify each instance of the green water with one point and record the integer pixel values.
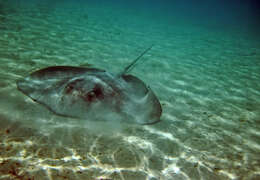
(206, 76)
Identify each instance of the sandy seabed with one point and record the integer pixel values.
(207, 82)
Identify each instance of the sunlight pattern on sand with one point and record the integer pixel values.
(207, 82)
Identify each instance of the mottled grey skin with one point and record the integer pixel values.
(93, 94)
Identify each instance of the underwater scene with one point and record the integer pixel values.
(129, 90)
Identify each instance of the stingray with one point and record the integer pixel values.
(92, 93)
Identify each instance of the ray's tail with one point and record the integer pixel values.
(134, 62)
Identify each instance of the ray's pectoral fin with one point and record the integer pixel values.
(144, 95)
(93, 94)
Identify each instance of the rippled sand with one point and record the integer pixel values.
(207, 82)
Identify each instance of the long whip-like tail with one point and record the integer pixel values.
(134, 62)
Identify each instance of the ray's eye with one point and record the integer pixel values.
(69, 89)
(96, 93)
(90, 96)
(74, 85)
